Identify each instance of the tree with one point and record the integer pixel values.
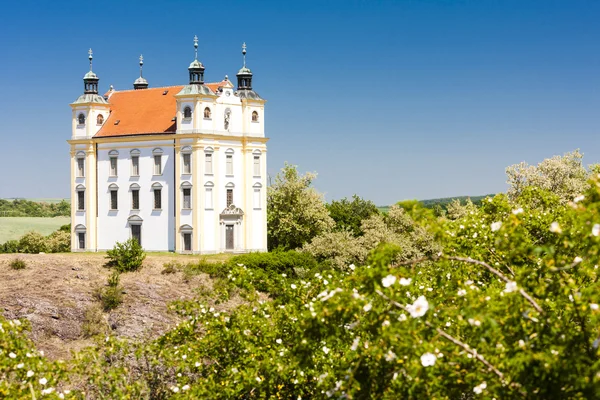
(296, 212)
(348, 215)
(564, 176)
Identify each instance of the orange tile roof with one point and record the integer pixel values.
(144, 111)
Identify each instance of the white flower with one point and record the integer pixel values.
(355, 344)
(388, 281)
(596, 230)
(428, 359)
(293, 286)
(474, 235)
(175, 389)
(367, 307)
(594, 306)
(390, 356)
(521, 343)
(30, 374)
(325, 281)
(19, 366)
(185, 387)
(258, 379)
(12, 355)
(197, 364)
(578, 198)
(517, 211)
(48, 391)
(43, 381)
(462, 292)
(284, 275)
(402, 317)
(386, 323)
(480, 388)
(496, 226)
(351, 266)
(325, 350)
(418, 308)
(555, 227)
(278, 341)
(577, 260)
(405, 281)
(510, 287)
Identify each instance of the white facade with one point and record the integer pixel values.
(210, 172)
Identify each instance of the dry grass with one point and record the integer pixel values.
(56, 293)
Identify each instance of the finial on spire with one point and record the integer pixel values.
(244, 53)
(90, 56)
(141, 64)
(196, 46)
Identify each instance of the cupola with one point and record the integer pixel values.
(244, 78)
(196, 68)
(141, 82)
(90, 80)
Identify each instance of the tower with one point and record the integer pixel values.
(140, 83)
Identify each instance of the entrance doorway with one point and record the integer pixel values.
(229, 237)
(136, 233)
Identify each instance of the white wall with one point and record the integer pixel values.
(158, 225)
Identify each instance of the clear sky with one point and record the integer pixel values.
(390, 100)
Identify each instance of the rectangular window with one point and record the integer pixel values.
(157, 199)
(208, 200)
(135, 199)
(208, 163)
(135, 166)
(81, 237)
(113, 166)
(80, 167)
(187, 198)
(81, 200)
(187, 163)
(229, 197)
(113, 200)
(187, 242)
(256, 165)
(157, 165)
(229, 166)
(136, 233)
(257, 199)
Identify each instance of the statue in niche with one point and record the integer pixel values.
(227, 116)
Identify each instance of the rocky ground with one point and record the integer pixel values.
(55, 291)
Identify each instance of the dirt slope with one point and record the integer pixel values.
(55, 290)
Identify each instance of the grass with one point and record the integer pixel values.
(12, 228)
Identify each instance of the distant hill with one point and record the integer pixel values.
(443, 202)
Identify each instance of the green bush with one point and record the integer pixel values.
(12, 246)
(59, 241)
(171, 268)
(93, 322)
(33, 243)
(287, 262)
(17, 263)
(126, 256)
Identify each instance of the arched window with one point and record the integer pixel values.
(207, 113)
(100, 119)
(187, 112)
(81, 119)
(254, 116)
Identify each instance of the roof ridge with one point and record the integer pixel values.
(161, 87)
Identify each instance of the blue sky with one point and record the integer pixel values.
(390, 100)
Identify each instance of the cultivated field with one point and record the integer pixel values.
(12, 228)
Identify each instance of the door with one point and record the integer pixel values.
(229, 237)
(187, 242)
(81, 240)
(136, 233)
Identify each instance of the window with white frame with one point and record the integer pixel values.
(187, 112)
(80, 197)
(80, 232)
(229, 193)
(186, 189)
(81, 119)
(256, 165)
(208, 161)
(157, 190)
(114, 197)
(256, 197)
(186, 160)
(229, 162)
(208, 195)
(135, 196)
(157, 161)
(135, 162)
(80, 164)
(113, 157)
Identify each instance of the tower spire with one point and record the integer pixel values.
(90, 80)
(91, 57)
(196, 68)
(141, 83)
(244, 75)
(244, 53)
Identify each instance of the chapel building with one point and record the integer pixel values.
(178, 168)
